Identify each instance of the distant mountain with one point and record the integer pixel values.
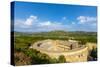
(57, 33)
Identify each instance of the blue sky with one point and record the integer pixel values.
(41, 17)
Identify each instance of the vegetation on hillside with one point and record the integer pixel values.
(24, 55)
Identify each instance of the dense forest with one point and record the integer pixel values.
(23, 55)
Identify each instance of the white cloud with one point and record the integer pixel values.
(86, 19)
(53, 27)
(64, 18)
(25, 23)
(49, 26)
(30, 20)
(73, 23)
(32, 23)
(49, 23)
(18, 23)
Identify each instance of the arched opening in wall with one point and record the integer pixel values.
(79, 56)
(39, 44)
(71, 46)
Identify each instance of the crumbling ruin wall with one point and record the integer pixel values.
(71, 56)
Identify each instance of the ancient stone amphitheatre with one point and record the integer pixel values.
(70, 49)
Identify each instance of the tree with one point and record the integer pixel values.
(53, 60)
(94, 53)
(82, 42)
(61, 59)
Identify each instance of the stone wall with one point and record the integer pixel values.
(71, 56)
(74, 55)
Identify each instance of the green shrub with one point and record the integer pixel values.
(61, 59)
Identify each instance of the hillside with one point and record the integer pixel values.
(58, 33)
(22, 42)
(77, 35)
